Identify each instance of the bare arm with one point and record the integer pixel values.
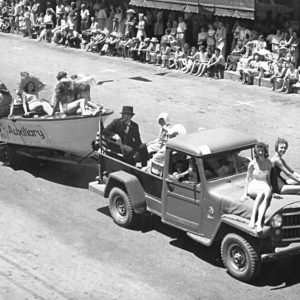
(247, 181)
(286, 169)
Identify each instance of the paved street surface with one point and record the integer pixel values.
(57, 240)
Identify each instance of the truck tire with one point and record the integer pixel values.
(120, 207)
(240, 258)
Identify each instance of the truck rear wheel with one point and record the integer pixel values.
(120, 207)
(239, 257)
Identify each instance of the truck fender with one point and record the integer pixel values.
(240, 224)
(131, 185)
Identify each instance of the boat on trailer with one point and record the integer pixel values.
(51, 136)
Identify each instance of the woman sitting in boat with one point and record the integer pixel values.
(72, 96)
(29, 88)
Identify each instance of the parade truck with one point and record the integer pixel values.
(198, 189)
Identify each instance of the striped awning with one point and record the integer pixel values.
(226, 8)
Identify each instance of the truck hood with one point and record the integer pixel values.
(230, 192)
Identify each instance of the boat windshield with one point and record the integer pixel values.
(227, 163)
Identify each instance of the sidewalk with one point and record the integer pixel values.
(265, 82)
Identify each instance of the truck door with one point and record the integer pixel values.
(182, 192)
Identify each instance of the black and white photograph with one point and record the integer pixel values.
(149, 149)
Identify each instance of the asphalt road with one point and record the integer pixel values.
(57, 240)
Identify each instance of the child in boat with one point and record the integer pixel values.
(73, 96)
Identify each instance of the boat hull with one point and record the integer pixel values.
(71, 134)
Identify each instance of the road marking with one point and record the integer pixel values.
(239, 103)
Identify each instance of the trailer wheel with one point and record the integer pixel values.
(120, 207)
(240, 258)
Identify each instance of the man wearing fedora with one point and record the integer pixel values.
(126, 133)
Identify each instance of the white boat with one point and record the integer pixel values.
(69, 134)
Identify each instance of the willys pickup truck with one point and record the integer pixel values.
(204, 201)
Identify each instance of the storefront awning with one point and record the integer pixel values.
(191, 6)
(225, 8)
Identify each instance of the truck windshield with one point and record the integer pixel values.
(227, 164)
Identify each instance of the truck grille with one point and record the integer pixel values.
(291, 226)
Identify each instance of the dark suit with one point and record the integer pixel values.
(131, 141)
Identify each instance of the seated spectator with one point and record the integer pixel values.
(197, 57)
(87, 34)
(154, 50)
(189, 60)
(126, 45)
(143, 49)
(73, 39)
(248, 73)
(291, 77)
(162, 59)
(216, 65)
(279, 73)
(97, 41)
(174, 58)
(235, 55)
(205, 56)
(161, 140)
(133, 50)
(59, 35)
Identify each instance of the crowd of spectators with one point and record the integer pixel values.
(195, 44)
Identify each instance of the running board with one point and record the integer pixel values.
(200, 239)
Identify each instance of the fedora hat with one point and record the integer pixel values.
(154, 40)
(127, 110)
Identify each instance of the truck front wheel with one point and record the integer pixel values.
(239, 257)
(120, 207)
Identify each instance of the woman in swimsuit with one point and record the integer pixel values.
(279, 184)
(31, 100)
(257, 184)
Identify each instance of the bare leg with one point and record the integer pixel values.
(262, 209)
(258, 199)
(47, 108)
(204, 68)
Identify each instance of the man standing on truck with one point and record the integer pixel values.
(126, 133)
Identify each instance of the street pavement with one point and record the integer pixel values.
(57, 240)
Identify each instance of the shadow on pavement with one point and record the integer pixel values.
(280, 274)
(141, 79)
(277, 275)
(61, 173)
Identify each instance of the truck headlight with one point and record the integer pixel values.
(276, 221)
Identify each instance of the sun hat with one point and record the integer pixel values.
(130, 11)
(27, 78)
(154, 40)
(127, 110)
(146, 40)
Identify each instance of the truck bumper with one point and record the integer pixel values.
(97, 188)
(291, 250)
